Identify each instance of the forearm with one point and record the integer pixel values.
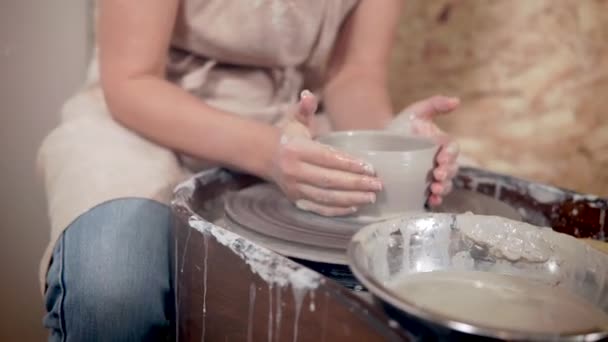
(358, 100)
(170, 116)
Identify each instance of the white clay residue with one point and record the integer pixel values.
(379, 256)
(274, 270)
(187, 185)
(206, 247)
(591, 200)
(298, 278)
(498, 191)
(522, 212)
(181, 269)
(545, 194)
(270, 295)
(578, 198)
(278, 314)
(505, 239)
(251, 312)
(263, 262)
(298, 295)
(202, 178)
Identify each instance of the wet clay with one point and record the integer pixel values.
(500, 301)
(510, 240)
(403, 164)
(263, 214)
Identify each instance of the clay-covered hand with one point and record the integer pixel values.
(417, 120)
(316, 177)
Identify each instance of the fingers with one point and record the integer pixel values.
(329, 201)
(337, 180)
(300, 122)
(428, 108)
(307, 108)
(444, 173)
(441, 188)
(322, 155)
(416, 118)
(323, 180)
(427, 128)
(448, 153)
(323, 209)
(335, 198)
(314, 172)
(438, 191)
(443, 184)
(435, 200)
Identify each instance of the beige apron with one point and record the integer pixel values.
(251, 67)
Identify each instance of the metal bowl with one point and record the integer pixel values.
(428, 242)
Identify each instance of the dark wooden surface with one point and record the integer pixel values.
(220, 297)
(579, 215)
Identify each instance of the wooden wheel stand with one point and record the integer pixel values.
(230, 289)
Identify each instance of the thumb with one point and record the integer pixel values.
(306, 109)
(430, 107)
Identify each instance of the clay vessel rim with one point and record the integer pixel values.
(335, 139)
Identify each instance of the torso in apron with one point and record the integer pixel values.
(252, 58)
(247, 57)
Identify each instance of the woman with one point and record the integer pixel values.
(213, 82)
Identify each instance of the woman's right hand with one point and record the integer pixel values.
(316, 177)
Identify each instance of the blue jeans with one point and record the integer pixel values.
(110, 277)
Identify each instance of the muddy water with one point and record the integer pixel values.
(500, 302)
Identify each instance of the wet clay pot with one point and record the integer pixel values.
(402, 163)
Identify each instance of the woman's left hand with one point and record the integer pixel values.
(417, 119)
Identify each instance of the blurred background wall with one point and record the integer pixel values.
(532, 76)
(43, 51)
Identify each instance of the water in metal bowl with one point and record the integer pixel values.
(465, 276)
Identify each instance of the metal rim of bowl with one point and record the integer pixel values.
(385, 294)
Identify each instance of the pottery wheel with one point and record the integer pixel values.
(261, 213)
(461, 201)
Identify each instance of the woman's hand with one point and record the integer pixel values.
(316, 177)
(416, 120)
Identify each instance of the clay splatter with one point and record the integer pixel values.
(279, 314)
(270, 286)
(545, 194)
(274, 270)
(251, 311)
(206, 247)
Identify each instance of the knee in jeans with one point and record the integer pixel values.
(109, 296)
(117, 260)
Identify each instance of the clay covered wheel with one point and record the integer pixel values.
(263, 214)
